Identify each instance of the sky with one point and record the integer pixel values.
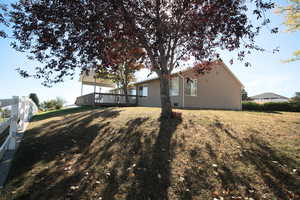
(266, 74)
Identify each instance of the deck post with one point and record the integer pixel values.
(137, 95)
(94, 99)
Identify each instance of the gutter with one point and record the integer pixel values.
(182, 89)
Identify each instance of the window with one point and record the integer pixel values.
(191, 87)
(174, 86)
(132, 91)
(143, 91)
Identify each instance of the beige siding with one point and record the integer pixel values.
(215, 90)
(153, 99)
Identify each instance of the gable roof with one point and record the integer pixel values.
(188, 69)
(268, 95)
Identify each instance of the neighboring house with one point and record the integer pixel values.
(269, 97)
(218, 89)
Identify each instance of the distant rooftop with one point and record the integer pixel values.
(268, 95)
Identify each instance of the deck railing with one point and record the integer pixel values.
(21, 110)
(106, 99)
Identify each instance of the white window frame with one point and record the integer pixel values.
(170, 88)
(191, 95)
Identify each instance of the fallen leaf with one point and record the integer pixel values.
(159, 176)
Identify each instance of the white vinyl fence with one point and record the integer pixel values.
(22, 109)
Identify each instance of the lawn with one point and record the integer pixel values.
(128, 153)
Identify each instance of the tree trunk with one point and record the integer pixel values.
(166, 107)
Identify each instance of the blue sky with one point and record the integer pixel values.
(267, 73)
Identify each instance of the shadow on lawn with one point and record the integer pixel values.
(153, 178)
(143, 160)
(214, 176)
(132, 163)
(59, 140)
(273, 166)
(275, 169)
(57, 113)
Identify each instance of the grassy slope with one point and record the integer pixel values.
(127, 153)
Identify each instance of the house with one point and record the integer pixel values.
(269, 97)
(218, 89)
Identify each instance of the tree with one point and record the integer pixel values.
(35, 99)
(296, 98)
(127, 60)
(292, 21)
(69, 34)
(59, 102)
(53, 104)
(244, 95)
(3, 9)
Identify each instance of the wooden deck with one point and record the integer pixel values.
(106, 100)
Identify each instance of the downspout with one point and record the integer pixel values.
(241, 98)
(182, 89)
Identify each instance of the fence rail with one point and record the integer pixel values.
(21, 111)
(107, 99)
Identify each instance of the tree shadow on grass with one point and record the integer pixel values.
(88, 157)
(67, 139)
(62, 112)
(209, 176)
(153, 177)
(273, 166)
(133, 162)
(214, 176)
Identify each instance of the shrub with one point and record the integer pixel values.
(272, 106)
(54, 104)
(252, 106)
(296, 98)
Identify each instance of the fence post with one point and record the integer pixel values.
(22, 111)
(14, 124)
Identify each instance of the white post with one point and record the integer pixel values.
(22, 112)
(14, 124)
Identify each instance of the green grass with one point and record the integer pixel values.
(129, 153)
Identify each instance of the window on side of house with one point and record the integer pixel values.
(143, 91)
(174, 86)
(191, 87)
